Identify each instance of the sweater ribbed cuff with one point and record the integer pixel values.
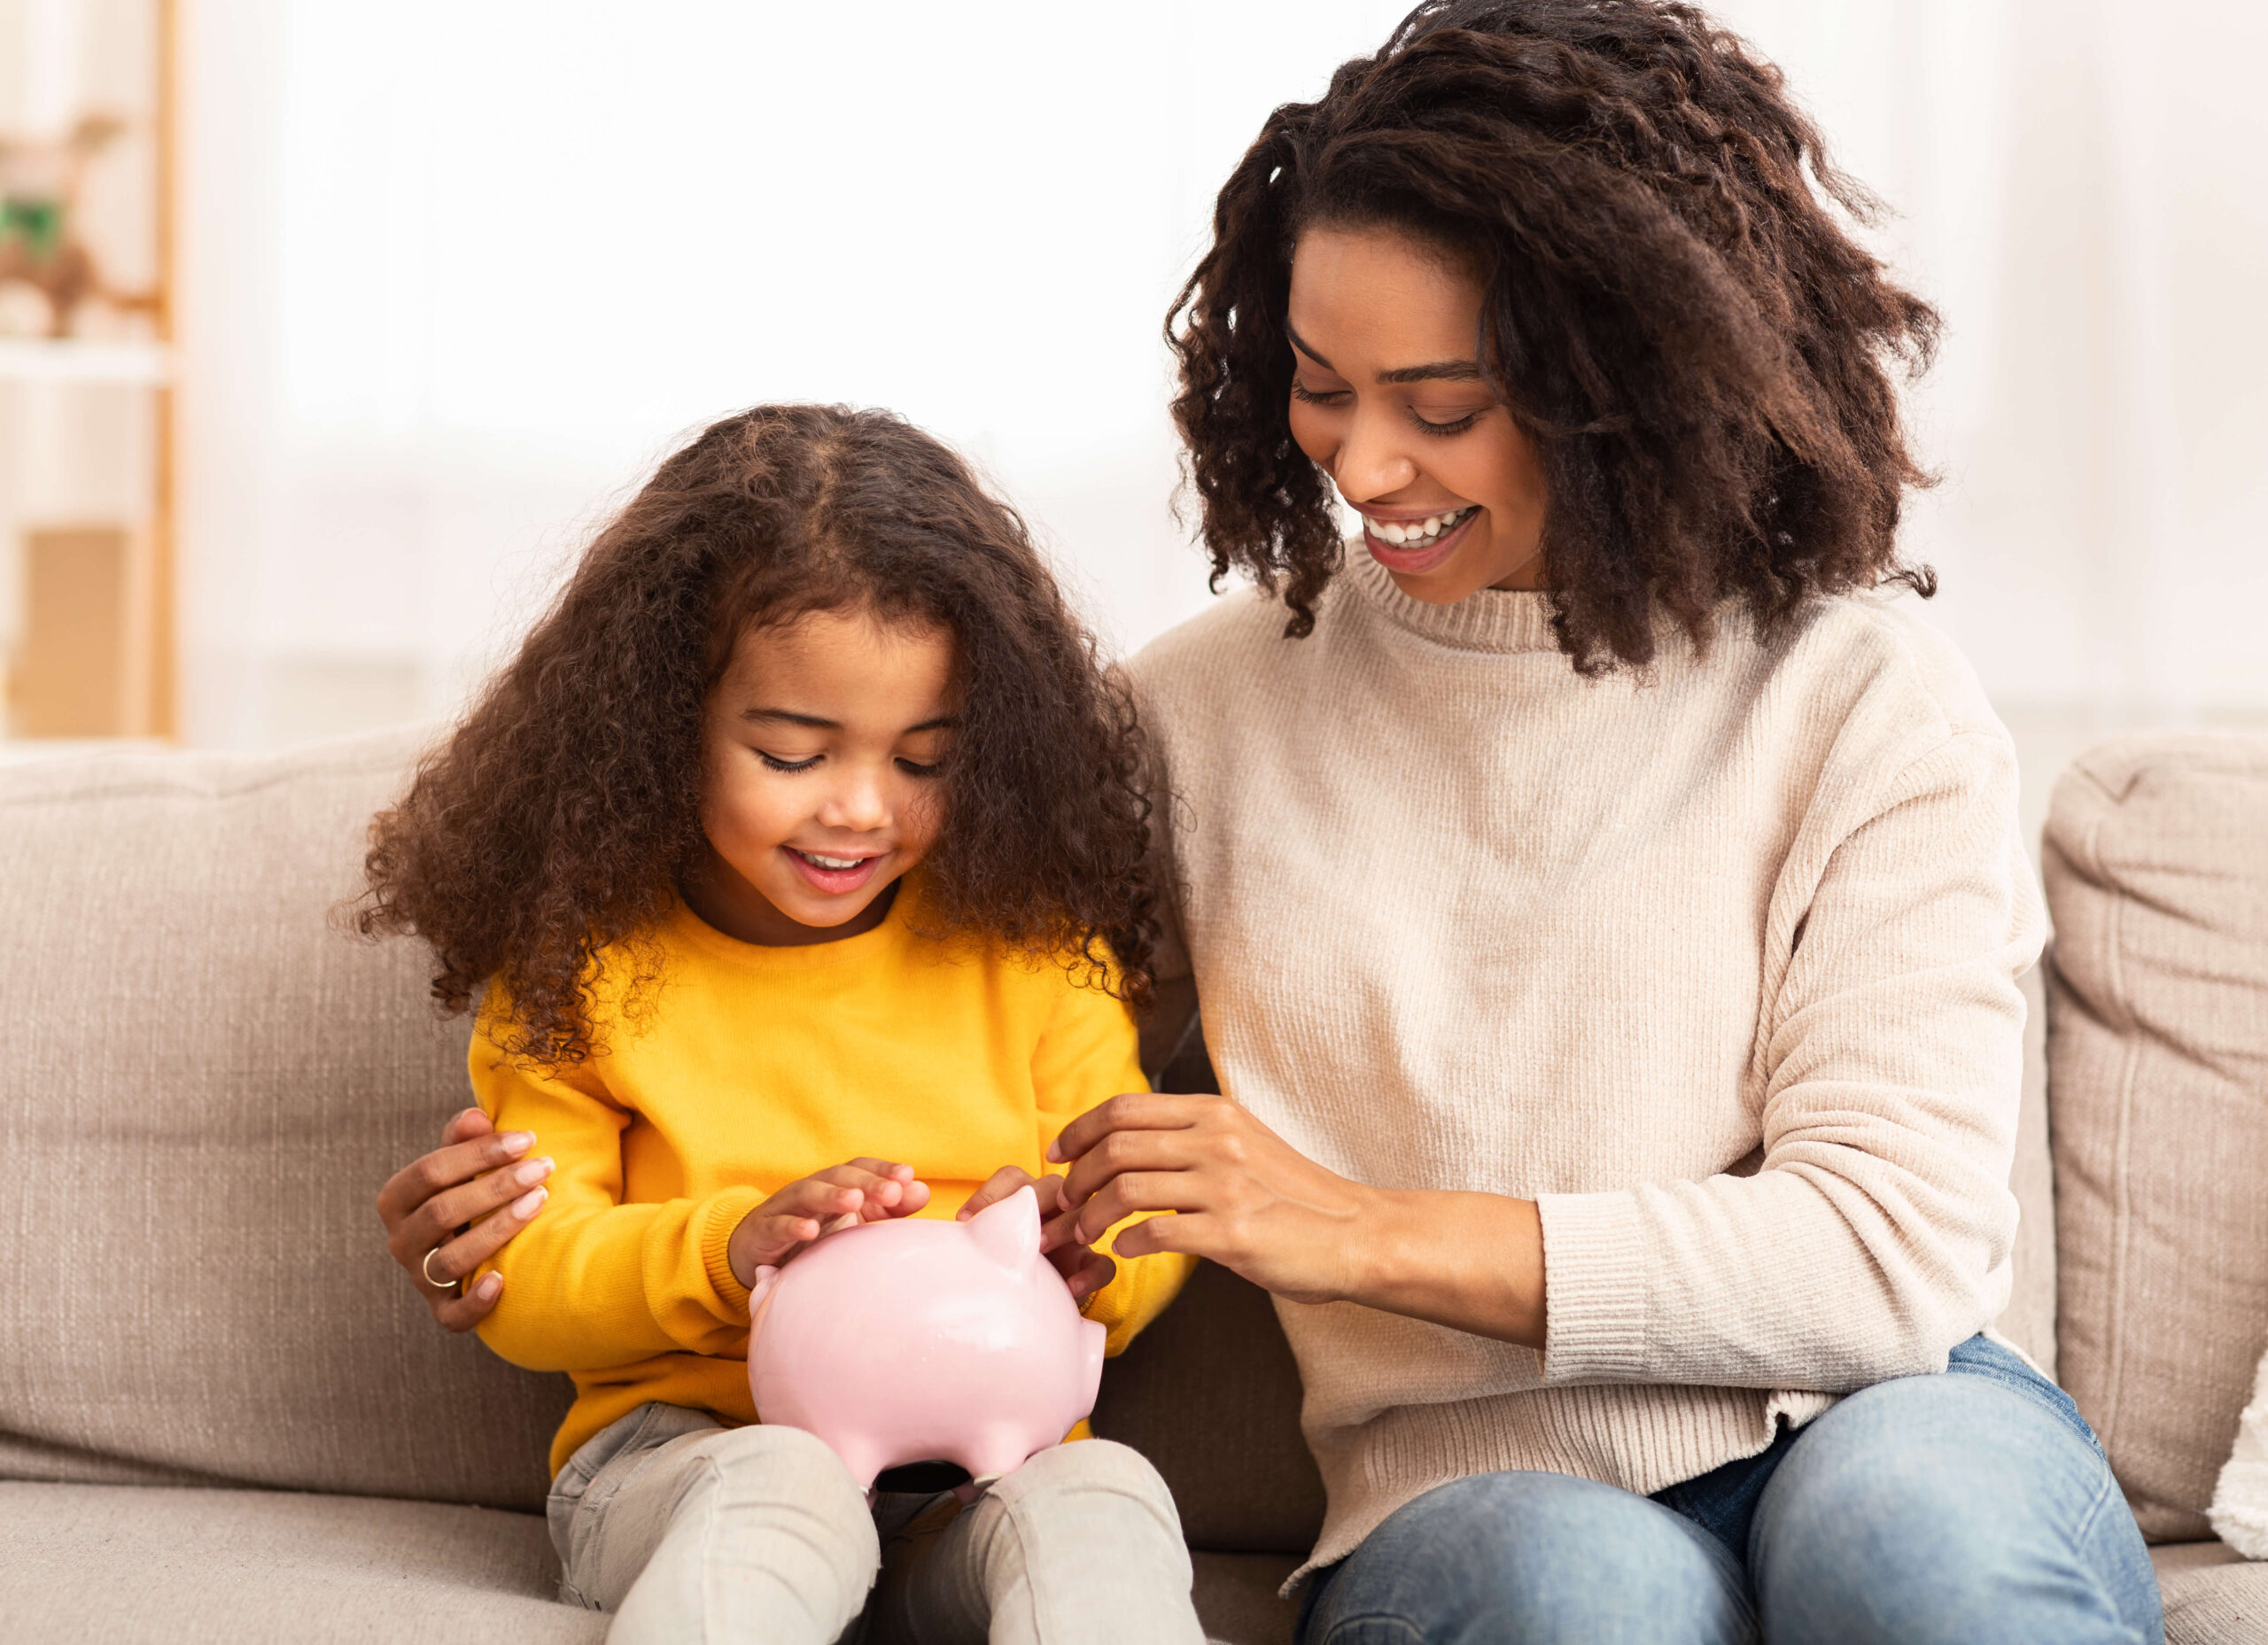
(718, 1218)
(1595, 1298)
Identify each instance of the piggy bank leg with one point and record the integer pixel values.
(992, 1452)
(862, 1458)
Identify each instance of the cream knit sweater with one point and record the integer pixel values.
(1718, 965)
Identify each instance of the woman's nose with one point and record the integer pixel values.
(1372, 460)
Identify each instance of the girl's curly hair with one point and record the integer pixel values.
(558, 818)
(1672, 312)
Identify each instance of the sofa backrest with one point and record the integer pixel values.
(2156, 863)
(203, 1082)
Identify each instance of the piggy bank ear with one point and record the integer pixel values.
(1008, 1232)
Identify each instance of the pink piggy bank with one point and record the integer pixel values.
(925, 1340)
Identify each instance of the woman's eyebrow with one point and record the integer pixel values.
(788, 717)
(1438, 371)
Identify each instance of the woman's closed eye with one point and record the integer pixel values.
(1446, 420)
(1455, 426)
(1317, 396)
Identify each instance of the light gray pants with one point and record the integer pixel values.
(690, 1531)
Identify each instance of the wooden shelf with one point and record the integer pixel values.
(70, 359)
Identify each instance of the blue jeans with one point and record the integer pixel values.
(1973, 1506)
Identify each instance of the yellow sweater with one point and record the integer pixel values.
(759, 1065)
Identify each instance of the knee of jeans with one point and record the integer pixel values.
(1532, 1554)
(779, 1455)
(1096, 1470)
(1942, 1490)
(1086, 1465)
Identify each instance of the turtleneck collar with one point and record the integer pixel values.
(1493, 619)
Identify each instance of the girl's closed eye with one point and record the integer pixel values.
(776, 763)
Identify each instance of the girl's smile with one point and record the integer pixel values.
(834, 875)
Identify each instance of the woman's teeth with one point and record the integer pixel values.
(1419, 531)
(817, 861)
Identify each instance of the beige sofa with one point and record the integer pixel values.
(224, 1417)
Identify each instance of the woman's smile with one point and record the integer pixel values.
(1415, 545)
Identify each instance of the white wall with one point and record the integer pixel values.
(457, 274)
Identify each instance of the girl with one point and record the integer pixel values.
(800, 846)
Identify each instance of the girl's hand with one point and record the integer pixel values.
(470, 1179)
(863, 1190)
(1250, 1201)
(1085, 1269)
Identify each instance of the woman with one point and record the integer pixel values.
(1606, 901)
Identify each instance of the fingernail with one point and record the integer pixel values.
(517, 1142)
(533, 1171)
(1055, 1152)
(489, 1285)
(529, 1203)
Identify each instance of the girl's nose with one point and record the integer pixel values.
(858, 804)
(1373, 462)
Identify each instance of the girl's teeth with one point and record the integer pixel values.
(833, 862)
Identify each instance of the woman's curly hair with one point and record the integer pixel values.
(1673, 313)
(557, 820)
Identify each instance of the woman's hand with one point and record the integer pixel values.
(1085, 1269)
(471, 1178)
(1247, 1200)
(861, 1190)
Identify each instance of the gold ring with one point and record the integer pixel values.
(426, 1269)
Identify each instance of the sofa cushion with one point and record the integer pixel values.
(2156, 863)
(2212, 1597)
(1210, 1394)
(203, 1082)
(123, 1563)
(1236, 1598)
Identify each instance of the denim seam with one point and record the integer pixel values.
(1343, 1629)
(711, 1499)
(2103, 1492)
